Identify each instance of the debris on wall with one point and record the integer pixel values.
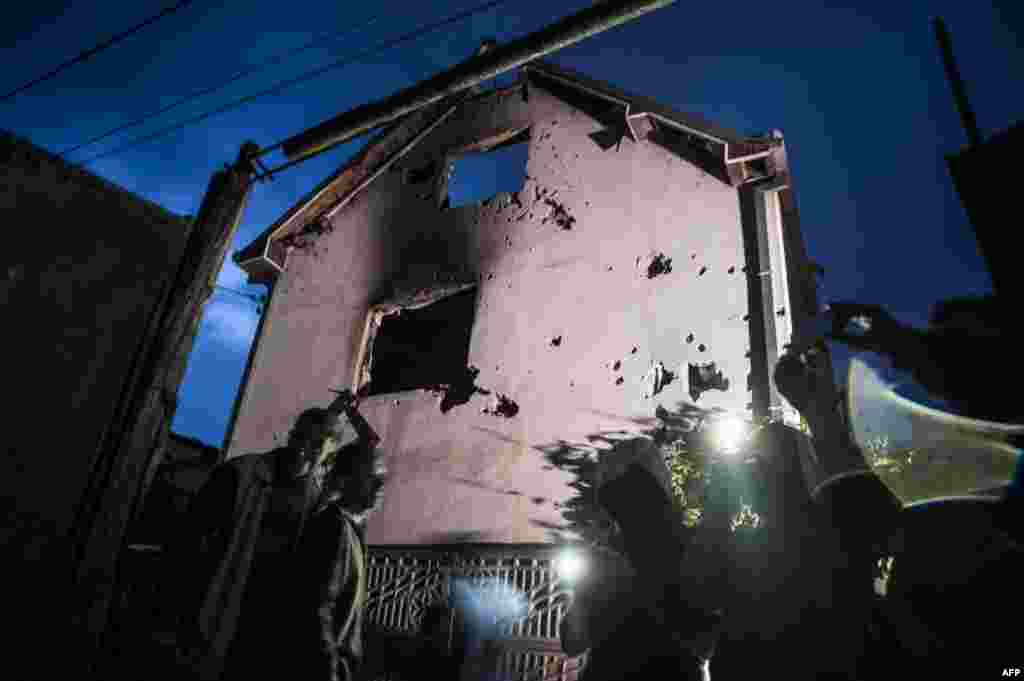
(307, 236)
(689, 338)
(704, 377)
(654, 265)
(702, 271)
(556, 341)
(617, 365)
(558, 214)
(502, 405)
(656, 379)
(460, 390)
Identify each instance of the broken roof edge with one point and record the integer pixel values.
(257, 253)
(749, 147)
(257, 248)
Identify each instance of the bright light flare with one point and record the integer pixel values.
(570, 564)
(728, 433)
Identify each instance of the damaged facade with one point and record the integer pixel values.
(638, 265)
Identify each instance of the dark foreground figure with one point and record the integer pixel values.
(275, 561)
(798, 598)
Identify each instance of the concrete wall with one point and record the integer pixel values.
(466, 475)
(83, 265)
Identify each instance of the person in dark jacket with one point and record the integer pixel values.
(233, 549)
(630, 611)
(252, 580)
(333, 556)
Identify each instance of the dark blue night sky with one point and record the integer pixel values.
(858, 90)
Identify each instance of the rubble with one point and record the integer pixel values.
(732, 270)
(619, 381)
(689, 338)
(617, 365)
(556, 341)
(704, 377)
(502, 405)
(702, 347)
(633, 351)
(657, 378)
(702, 271)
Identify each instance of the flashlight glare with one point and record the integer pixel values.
(728, 434)
(569, 565)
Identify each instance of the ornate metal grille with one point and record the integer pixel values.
(522, 581)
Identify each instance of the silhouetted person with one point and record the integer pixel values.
(245, 595)
(332, 560)
(633, 615)
(955, 564)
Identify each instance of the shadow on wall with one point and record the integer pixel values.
(585, 519)
(416, 245)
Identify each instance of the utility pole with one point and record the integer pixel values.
(984, 174)
(135, 444)
(963, 106)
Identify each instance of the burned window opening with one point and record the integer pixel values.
(423, 348)
(479, 175)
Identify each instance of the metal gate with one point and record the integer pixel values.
(516, 588)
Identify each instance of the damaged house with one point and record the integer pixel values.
(509, 269)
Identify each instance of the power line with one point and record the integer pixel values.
(309, 75)
(110, 42)
(275, 59)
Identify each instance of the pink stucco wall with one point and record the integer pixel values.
(457, 474)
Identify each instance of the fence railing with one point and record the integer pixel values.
(512, 592)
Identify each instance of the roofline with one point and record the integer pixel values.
(275, 230)
(635, 107)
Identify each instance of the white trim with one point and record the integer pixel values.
(394, 158)
(778, 273)
(627, 104)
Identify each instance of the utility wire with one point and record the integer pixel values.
(110, 42)
(275, 59)
(309, 75)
